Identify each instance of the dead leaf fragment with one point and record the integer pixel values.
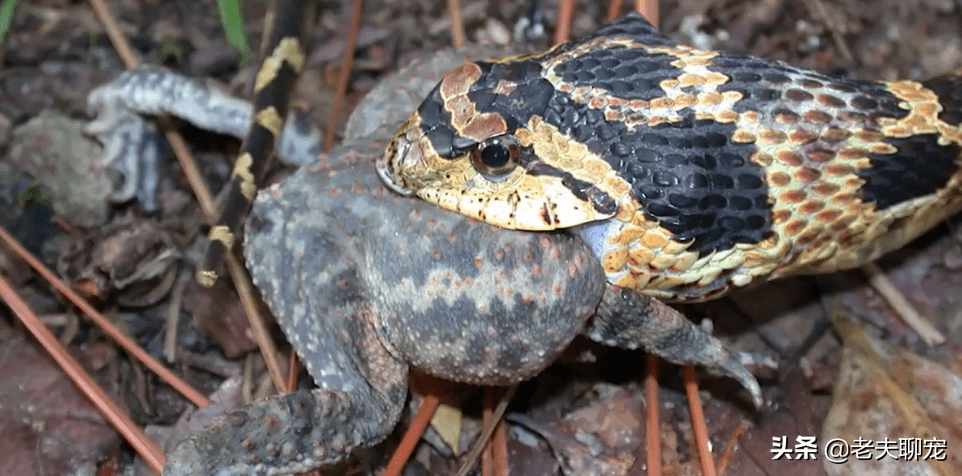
(900, 410)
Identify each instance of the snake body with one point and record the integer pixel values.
(689, 172)
(274, 82)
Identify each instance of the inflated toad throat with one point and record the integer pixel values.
(689, 172)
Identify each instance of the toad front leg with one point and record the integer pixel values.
(630, 320)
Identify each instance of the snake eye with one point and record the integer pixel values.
(496, 157)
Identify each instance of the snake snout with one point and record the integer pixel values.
(389, 163)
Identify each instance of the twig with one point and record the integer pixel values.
(726, 455)
(292, 369)
(653, 425)
(245, 291)
(494, 461)
(614, 9)
(421, 421)
(565, 11)
(698, 420)
(173, 316)
(188, 165)
(902, 306)
(458, 38)
(120, 44)
(648, 8)
(472, 457)
(113, 32)
(344, 75)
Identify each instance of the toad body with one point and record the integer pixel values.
(367, 284)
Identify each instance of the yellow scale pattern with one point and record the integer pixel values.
(811, 151)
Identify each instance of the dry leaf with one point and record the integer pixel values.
(447, 422)
(896, 407)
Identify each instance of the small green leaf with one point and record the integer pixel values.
(233, 23)
(7, 7)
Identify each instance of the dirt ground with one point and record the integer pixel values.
(56, 52)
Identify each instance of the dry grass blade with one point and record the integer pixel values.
(117, 417)
(698, 420)
(902, 306)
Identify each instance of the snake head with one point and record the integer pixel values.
(478, 145)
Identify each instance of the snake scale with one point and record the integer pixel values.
(689, 172)
(274, 82)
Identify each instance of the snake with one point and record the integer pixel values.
(283, 59)
(689, 172)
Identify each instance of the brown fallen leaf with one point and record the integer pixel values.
(46, 425)
(902, 413)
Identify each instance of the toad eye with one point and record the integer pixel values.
(496, 157)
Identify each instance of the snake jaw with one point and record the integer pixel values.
(386, 165)
(520, 200)
(535, 196)
(401, 165)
